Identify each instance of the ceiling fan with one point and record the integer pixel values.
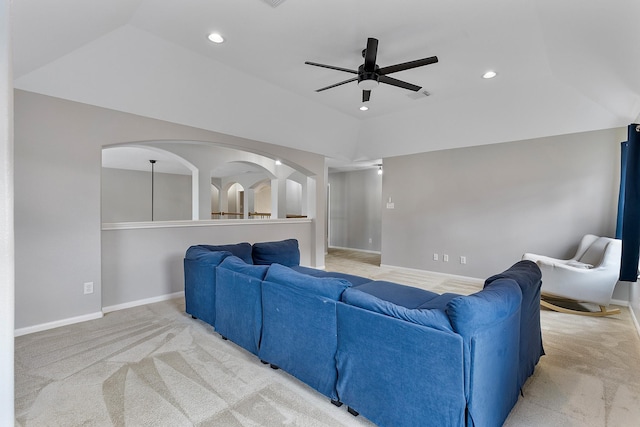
(370, 74)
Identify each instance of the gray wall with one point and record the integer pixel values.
(126, 196)
(355, 210)
(143, 263)
(493, 203)
(58, 151)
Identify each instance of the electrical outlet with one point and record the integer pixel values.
(445, 257)
(370, 240)
(435, 257)
(463, 260)
(88, 287)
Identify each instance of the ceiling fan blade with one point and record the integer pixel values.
(407, 65)
(331, 67)
(399, 83)
(370, 54)
(366, 94)
(337, 84)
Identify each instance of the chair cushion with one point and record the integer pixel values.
(327, 287)
(594, 254)
(284, 252)
(433, 318)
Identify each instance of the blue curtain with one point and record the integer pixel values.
(624, 151)
(631, 211)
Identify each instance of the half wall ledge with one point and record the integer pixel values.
(200, 223)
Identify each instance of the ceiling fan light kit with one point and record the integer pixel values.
(370, 75)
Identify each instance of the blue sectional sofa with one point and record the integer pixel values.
(399, 355)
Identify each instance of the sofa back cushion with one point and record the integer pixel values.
(284, 252)
(433, 318)
(481, 310)
(241, 250)
(328, 287)
(234, 263)
(205, 256)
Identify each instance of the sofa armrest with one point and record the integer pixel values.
(489, 323)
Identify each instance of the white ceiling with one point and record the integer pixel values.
(563, 66)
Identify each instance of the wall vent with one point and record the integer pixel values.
(418, 95)
(274, 3)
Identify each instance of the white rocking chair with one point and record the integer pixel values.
(589, 276)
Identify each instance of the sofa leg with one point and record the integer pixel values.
(193, 317)
(353, 411)
(336, 402)
(264, 362)
(224, 338)
(273, 366)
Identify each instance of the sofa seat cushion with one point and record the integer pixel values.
(241, 250)
(353, 279)
(440, 302)
(406, 296)
(328, 287)
(236, 264)
(433, 318)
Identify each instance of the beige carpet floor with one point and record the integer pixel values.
(155, 366)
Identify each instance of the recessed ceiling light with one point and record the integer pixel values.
(364, 108)
(489, 75)
(278, 162)
(216, 38)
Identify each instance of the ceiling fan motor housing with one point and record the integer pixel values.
(370, 79)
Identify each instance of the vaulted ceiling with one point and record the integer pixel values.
(563, 66)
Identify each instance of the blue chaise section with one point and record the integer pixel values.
(200, 262)
(299, 333)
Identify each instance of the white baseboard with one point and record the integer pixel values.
(56, 324)
(417, 270)
(635, 319)
(355, 250)
(621, 302)
(145, 301)
(92, 316)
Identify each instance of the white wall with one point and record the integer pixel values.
(126, 196)
(356, 209)
(493, 203)
(6, 220)
(294, 197)
(262, 201)
(57, 206)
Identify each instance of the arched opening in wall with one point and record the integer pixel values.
(145, 184)
(235, 199)
(268, 188)
(261, 199)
